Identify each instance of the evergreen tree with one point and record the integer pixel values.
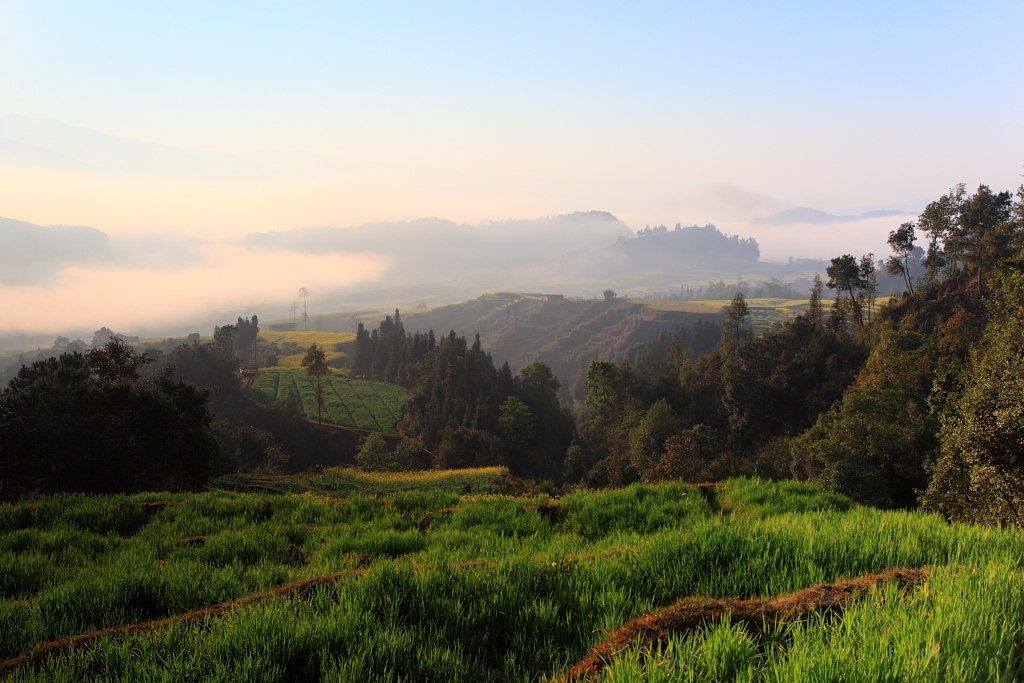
(983, 232)
(901, 241)
(845, 276)
(814, 308)
(315, 363)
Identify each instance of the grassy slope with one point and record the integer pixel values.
(306, 338)
(428, 585)
(338, 481)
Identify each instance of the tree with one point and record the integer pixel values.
(735, 314)
(609, 295)
(647, 439)
(374, 454)
(777, 383)
(210, 367)
(938, 221)
(872, 445)
(224, 337)
(539, 387)
(464, 447)
(979, 476)
(686, 457)
(91, 423)
(606, 393)
(845, 276)
(315, 363)
(981, 235)
(902, 242)
(246, 333)
(613, 413)
(870, 284)
(814, 311)
(515, 425)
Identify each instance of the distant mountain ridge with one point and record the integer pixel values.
(33, 254)
(807, 214)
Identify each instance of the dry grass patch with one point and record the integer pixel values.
(693, 612)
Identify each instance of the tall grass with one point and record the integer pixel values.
(493, 588)
(931, 634)
(750, 497)
(638, 508)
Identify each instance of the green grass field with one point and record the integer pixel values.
(347, 402)
(430, 585)
(306, 338)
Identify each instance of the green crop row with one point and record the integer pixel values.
(963, 624)
(493, 588)
(348, 402)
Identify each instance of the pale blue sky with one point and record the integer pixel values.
(658, 112)
(867, 103)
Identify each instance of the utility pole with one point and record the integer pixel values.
(304, 293)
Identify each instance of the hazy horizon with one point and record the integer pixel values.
(179, 130)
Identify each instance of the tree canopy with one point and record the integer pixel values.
(89, 422)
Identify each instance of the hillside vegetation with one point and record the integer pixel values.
(752, 581)
(565, 334)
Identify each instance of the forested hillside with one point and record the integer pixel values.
(895, 403)
(567, 334)
(914, 400)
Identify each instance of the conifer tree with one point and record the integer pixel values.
(315, 363)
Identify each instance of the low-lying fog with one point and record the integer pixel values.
(75, 279)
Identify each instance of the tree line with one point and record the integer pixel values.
(917, 401)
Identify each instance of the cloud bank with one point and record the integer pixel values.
(130, 291)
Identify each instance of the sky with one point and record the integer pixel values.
(207, 121)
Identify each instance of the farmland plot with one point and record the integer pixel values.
(750, 582)
(347, 402)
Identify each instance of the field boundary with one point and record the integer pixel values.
(53, 648)
(693, 612)
(83, 640)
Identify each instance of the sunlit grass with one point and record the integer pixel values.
(306, 338)
(431, 584)
(346, 481)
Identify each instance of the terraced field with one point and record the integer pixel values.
(348, 402)
(763, 312)
(749, 581)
